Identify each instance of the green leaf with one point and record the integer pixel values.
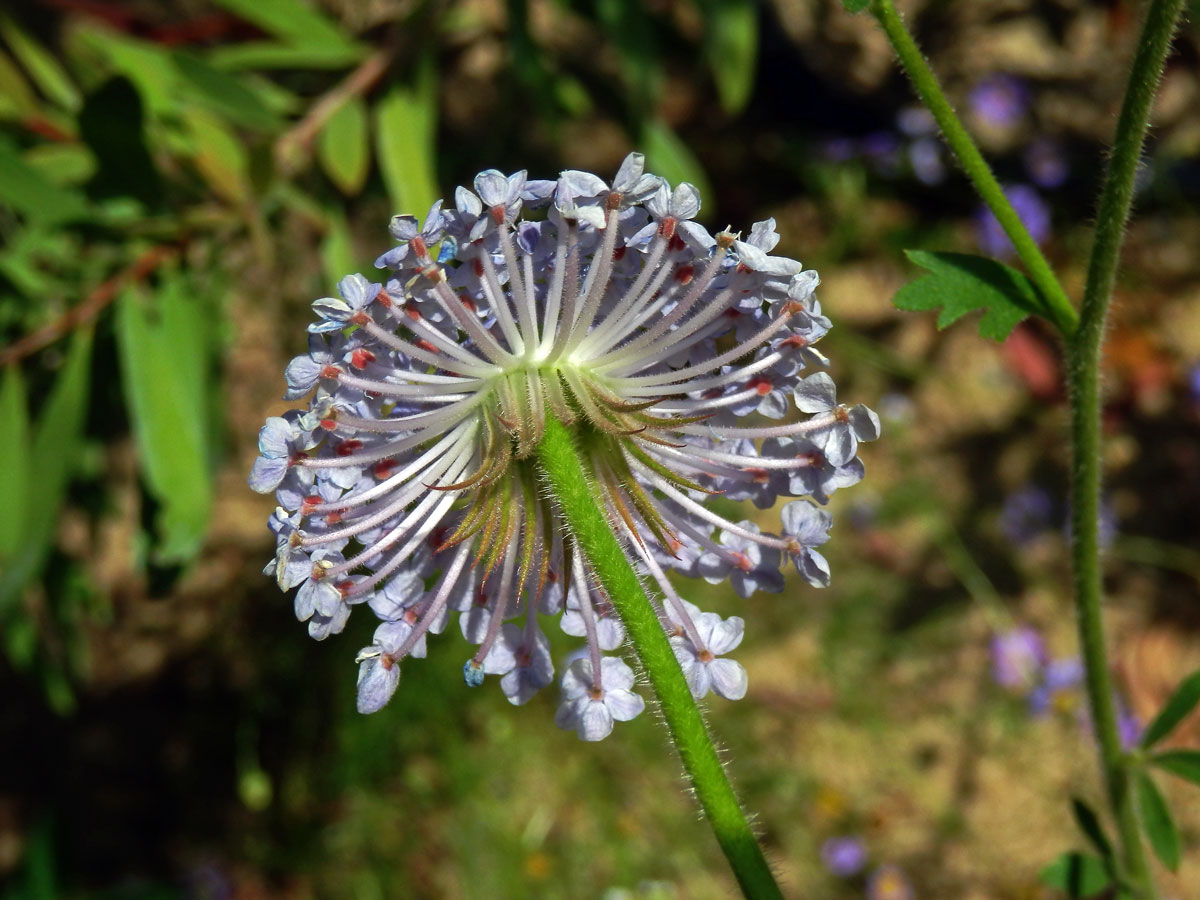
(147, 65)
(337, 249)
(224, 94)
(405, 125)
(28, 193)
(273, 55)
(1174, 711)
(1182, 763)
(218, 155)
(16, 97)
(732, 49)
(14, 462)
(961, 283)
(343, 147)
(43, 68)
(855, 6)
(62, 164)
(1089, 824)
(668, 156)
(55, 450)
(1157, 822)
(1080, 875)
(297, 23)
(163, 351)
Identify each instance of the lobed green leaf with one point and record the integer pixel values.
(1157, 822)
(1182, 763)
(1089, 824)
(1080, 875)
(1178, 706)
(960, 283)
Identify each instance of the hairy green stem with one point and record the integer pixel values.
(1083, 378)
(581, 509)
(1057, 306)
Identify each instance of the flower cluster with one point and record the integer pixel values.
(410, 483)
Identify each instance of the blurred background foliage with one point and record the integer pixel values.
(178, 180)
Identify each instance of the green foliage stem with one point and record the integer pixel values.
(1084, 381)
(1058, 308)
(564, 476)
(1084, 335)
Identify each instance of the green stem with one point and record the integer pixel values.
(1058, 308)
(1083, 377)
(564, 476)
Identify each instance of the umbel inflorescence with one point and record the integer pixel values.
(410, 484)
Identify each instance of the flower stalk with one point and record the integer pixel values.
(1084, 336)
(580, 507)
(1058, 307)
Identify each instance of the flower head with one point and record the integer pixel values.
(844, 856)
(680, 360)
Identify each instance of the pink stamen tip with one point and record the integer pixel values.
(361, 358)
(684, 274)
(330, 372)
(344, 587)
(762, 385)
(347, 447)
(329, 424)
(499, 214)
(411, 616)
(386, 661)
(666, 227)
(360, 319)
(742, 561)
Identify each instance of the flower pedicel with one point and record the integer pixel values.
(410, 483)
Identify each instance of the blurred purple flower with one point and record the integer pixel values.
(925, 156)
(1030, 208)
(1194, 384)
(1129, 727)
(1026, 514)
(839, 149)
(889, 883)
(882, 150)
(1046, 163)
(999, 100)
(1018, 656)
(844, 856)
(1060, 679)
(916, 121)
